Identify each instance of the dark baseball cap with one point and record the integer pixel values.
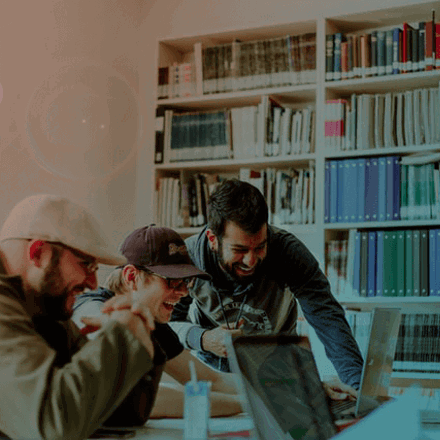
(160, 250)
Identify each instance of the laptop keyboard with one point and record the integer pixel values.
(338, 406)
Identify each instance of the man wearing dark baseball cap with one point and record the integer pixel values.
(55, 384)
(157, 274)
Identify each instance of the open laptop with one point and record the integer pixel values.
(282, 386)
(378, 365)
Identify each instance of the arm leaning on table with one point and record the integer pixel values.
(170, 399)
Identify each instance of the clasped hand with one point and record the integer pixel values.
(128, 311)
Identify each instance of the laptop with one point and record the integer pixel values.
(282, 387)
(377, 368)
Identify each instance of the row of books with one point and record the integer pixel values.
(241, 65)
(410, 47)
(271, 129)
(385, 263)
(381, 189)
(268, 129)
(418, 342)
(182, 204)
(289, 193)
(387, 120)
(192, 136)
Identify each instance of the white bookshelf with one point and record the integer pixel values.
(180, 49)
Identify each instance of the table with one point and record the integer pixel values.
(172, 429)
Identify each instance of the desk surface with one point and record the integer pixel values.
(172, 429)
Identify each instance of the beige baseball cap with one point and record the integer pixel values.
(57, 219)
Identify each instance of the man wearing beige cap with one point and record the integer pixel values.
(55, 384)
(158, 271)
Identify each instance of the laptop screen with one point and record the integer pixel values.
(283, 388)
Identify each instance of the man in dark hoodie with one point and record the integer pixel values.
(258, 273)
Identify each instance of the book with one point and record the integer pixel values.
(371, 188)
(357, 264)
(416, 262)
(372, 268)
(373, 53)
(389, 263)
(329, 57)
(396, 50)
(379, 263)
(382, 190)
(407, 49)
(198, 68)
(389, 52)
(429, 46)
(334, 166)
(159, 128)
(163, 82)
(400, 263)
(409, 283)
(381, 53)
(424, 263)
(327, 193)
(363, 278)
(361, 188)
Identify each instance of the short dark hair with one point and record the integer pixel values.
(238, 202)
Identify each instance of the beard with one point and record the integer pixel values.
(230, 269)
(51, 297)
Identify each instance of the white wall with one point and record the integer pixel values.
(118, 37)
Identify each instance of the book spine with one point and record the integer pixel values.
(337, 56)
(372, 269)
(396, 50)
(424, 263)
(159, 135)
(329, 57)
(364, 265)
(400, 265)
(422, 42)
(429, 32)
(416, 263)
(437, 45)
(374, 53)
(379, 263)
(409, 283)
(381, 53)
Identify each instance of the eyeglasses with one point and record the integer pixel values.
(177, 284)
(89, 265)
(172, 283)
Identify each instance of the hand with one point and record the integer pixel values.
(139, 322)
(339, 391)
(214, 340)
(149, 296)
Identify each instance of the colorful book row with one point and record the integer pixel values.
(393, 263)
(387, 120)
(241, 65)
(360, 190)
(411, 47)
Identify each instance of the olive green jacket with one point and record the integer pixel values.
(55, 384)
